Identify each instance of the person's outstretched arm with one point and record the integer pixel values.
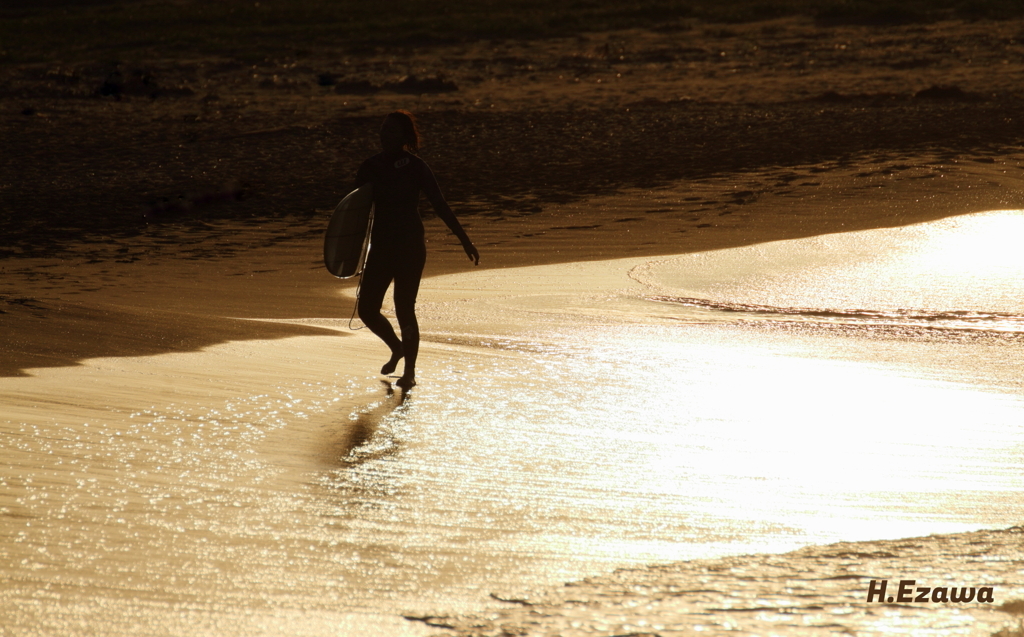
(443, 210)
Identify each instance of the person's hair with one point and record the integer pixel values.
(410, 133)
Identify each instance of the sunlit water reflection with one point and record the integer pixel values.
(571, 422)
(959, 272)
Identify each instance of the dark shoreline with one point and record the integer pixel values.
(108, 138)
(50, 25)
(120, 170)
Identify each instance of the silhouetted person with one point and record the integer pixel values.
(397, 248)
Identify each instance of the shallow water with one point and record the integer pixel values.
(959, 272)
(571, 419)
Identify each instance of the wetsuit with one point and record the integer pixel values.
(397, 249)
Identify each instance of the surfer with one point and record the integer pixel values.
(397, 248)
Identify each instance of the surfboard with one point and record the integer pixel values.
(348, 233)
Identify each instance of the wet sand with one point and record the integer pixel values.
(817, 590)
(821, 588)
(202, 436)
(140, 297)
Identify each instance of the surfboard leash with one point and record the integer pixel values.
(359, 286)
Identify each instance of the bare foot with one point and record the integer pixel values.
(406, 382)
(390, 366)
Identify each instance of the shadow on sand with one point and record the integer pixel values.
(42, 334)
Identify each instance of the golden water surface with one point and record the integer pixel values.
(570, 419)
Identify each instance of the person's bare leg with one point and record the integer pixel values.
(380, 326)
(371, 296)
(396, 355)
(407, 285)
(411, 345)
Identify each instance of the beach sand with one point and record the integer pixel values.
(168, 326)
